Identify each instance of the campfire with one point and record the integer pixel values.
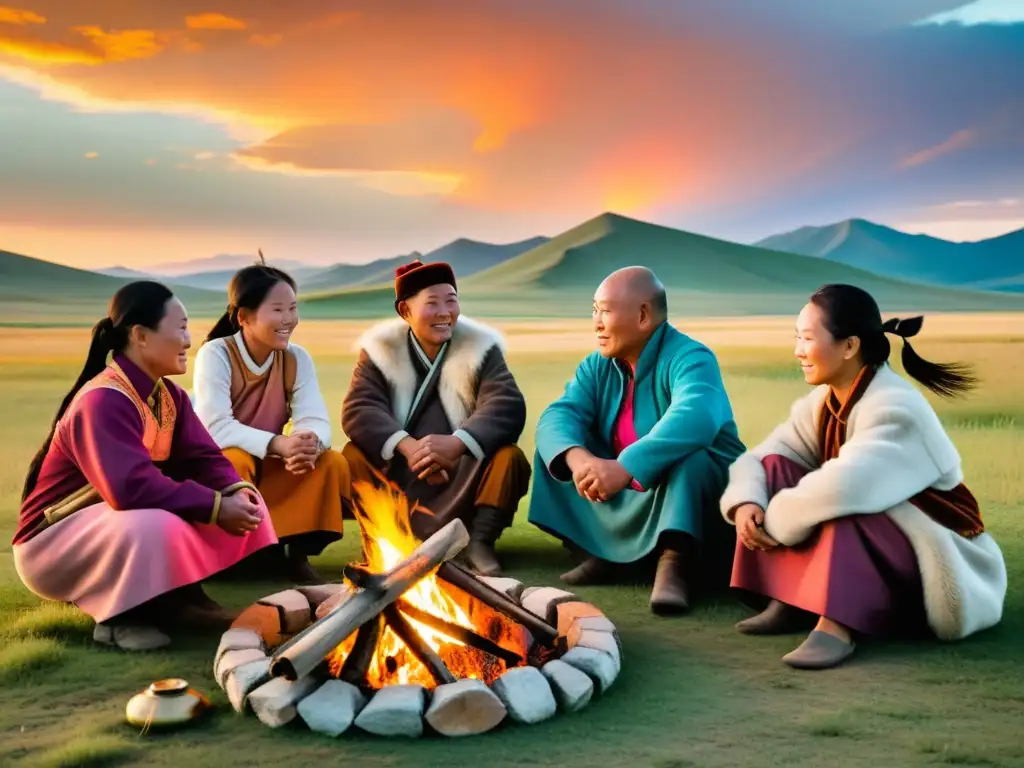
(411, 638)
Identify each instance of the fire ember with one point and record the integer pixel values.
(410, 639)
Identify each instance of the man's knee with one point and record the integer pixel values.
(336, 465)
(243, 462)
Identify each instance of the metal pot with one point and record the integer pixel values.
(166, 703)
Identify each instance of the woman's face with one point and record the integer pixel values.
(824, 359)
(164, 350)
(272, 324)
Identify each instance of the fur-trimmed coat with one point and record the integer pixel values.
(477, 397)
(895, 448)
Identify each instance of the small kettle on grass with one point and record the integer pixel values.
(166, 703)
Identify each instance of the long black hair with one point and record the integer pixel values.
(247, 290)
(139, 303)
(851, 311)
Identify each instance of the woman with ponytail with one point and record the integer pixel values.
(852, 516)
(256, 391)
(129, 505)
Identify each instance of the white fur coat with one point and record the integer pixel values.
(387, 346)
(895, 448)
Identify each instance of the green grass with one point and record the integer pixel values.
(692, 690)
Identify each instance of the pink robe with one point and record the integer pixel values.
(150, 533)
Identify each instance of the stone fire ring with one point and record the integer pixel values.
(463, 708)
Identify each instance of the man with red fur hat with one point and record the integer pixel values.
(433, 406)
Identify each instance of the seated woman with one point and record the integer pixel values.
(129, 504)
(250, 383)
(854, 510)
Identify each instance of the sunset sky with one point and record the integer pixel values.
(325, 131)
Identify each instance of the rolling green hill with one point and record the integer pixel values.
(704, 276)
(992, 264)
(467, 257)
(36, 292)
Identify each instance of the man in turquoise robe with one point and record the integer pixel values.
(634, 456)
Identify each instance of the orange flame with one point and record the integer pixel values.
(385, 521)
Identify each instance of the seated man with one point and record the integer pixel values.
(637, 450)
(433, 407)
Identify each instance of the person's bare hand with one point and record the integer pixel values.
(436, 453)
(749, 518)
(239, 513)
(603, 478)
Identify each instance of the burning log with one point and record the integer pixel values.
(304, 652)
(358, 660)
(419, 647)
(463, 635)
(542, 632)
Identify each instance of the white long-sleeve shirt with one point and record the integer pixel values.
(212, 398)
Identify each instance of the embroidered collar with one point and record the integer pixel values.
(140, 380)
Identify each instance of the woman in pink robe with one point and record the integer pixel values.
(129, 504)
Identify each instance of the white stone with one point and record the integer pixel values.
(598, 640)
(318, 593)
(599, 623)
(511, 588)
(332, 602)
(233, 659)
(541, 601)
(332, 708)
(243, 680)
(294, 608)
(274, 701)
(464, 708)
(598, 664)
(573, 688)
(526, 694)
(395, 710)
(238, 640)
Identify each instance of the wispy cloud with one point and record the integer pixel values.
(19, 16)
(957, 141)
(981, 12)
(213, 21)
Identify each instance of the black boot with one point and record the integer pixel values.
(487, 525)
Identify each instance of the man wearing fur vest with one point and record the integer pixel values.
(433, 407)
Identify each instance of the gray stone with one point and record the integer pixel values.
(332, 708)
(232, 659)
(599, 665)
(526, 694)
(599, 640)
(274, 701)
(293, 607)
(464, 708)
(543, 602)
(395, 710)
(332, 602)
(245, 679)
(509, 587)
(238, 640)
(572, 688)
(318, 593)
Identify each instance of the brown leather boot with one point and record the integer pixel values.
(671, 593)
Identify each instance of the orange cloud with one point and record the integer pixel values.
(213, 21)
(265, 40)
(956, 142)
(101, 46)
(20, 17)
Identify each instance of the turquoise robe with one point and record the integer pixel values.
(687, 438)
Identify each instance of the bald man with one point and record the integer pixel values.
(632, 460)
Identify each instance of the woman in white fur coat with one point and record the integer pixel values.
(853, 511)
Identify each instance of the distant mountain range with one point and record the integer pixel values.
(993, 264)
(704, 276)
(466, 257)
(544, 277)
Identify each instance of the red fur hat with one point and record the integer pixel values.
(413, 277)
